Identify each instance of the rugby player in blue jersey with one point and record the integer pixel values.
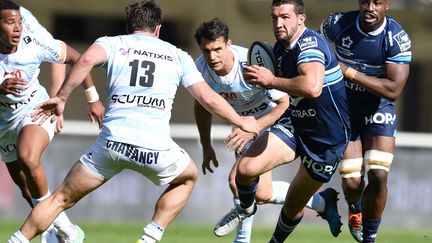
(374, 53)
(221, 65)
(143, 74)
(309, 72)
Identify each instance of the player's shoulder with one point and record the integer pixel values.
(396, 34)
(310, 39)
(240, 51)
(393, 25)
(338, 19)
(25, 12)
(200, 63)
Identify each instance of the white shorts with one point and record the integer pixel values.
(106, 158)
(9, 139)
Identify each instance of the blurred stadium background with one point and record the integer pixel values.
(130, 197)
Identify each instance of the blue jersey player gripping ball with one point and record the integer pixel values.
(221, 65)
(309, 72)
(374, 53)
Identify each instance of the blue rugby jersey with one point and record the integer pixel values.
(324, 119)
(366, 52)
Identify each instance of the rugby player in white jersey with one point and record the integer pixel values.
(25, 44)
(221, 64)
(143, 74)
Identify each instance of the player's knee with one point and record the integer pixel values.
(245, 169)
(378, 178)
(63, 201)
(351, 169)
(29, 160)
(352, 183)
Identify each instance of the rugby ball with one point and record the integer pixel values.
(261, 53)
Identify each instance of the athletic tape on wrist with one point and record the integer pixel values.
(350, 73)
(91, 94)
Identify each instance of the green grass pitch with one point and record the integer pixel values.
(122, 232)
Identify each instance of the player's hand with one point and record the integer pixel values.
(59, 124)
(53, 107)
(258, 75)
(209, 156)
(238, 139)
(12, 85)
(250, 125)
(95, 111)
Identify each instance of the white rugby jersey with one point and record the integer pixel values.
(246, 99)
(30, 23)
(143, 74)
(34, 48)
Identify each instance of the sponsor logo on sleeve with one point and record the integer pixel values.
(402, 40)
(308, 42)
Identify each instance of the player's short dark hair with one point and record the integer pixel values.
(212, 30)
(299, 7)
(143, 15)
(7, 4)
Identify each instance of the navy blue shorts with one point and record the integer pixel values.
(320, 160)
(379, 121)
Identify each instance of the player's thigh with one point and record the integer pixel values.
(267, 152)
(353, 150)
(78, 182)
(32, 141)
(189, 174)
(380, 143)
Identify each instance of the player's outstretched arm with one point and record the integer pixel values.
(214, 103)
(238, 139)
(95, 108)
(203, 119)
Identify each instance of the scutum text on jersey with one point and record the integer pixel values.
(139, 100)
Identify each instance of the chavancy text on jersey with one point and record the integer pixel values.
(246, 99)
(366, 52)
(143, 74)
(323, 119)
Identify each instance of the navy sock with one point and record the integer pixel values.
(247, 193)
(355, 207)
(284, 228)
(370, 229)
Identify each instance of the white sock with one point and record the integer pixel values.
(316, 202)
(153, 230)
(280, 189)
(244, 229)
(62, 221)
(18, 237)
(35, 201)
